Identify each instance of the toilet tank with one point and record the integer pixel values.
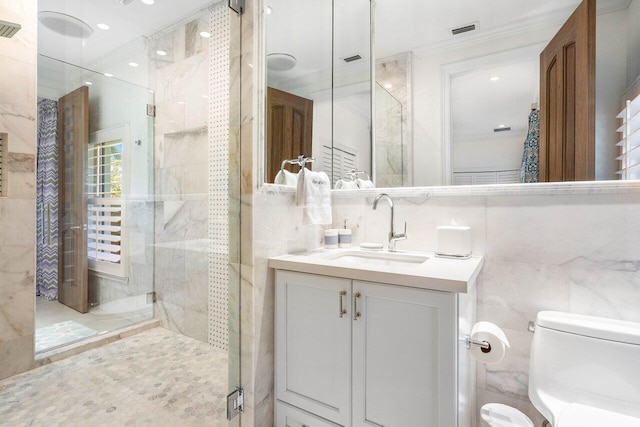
(587, 360)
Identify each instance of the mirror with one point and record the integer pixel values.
(318, 96)
(471, 94)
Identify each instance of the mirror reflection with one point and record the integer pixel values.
(318, 97)
(468, 94)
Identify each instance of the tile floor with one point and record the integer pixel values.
(50, 315)
(155, 378)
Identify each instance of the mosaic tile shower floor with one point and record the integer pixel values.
(155, 378)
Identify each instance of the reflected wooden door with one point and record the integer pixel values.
(567, 99)
(73, 137)
(289, 129)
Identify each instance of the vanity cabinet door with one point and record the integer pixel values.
(404, 357)
(313, 344)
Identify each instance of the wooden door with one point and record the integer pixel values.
(313, 344)
(73, 134)
(567, 95)
(404, 357)
(289, 130)
(289, 416)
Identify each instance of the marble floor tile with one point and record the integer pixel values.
(157, 377)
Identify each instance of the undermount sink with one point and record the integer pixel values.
(379, 258)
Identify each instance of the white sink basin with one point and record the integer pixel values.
(378, 258)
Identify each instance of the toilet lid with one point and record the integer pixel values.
(499, 415)
(576, 415)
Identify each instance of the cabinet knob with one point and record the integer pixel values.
(356, 313)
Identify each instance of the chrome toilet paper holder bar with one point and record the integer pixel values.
(484, 345)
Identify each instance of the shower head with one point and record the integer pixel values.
(8, 29)
(125, 2)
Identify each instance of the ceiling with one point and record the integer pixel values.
(127, 24)
(506, 102)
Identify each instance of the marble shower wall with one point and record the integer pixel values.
(18, 114)
(180, 80)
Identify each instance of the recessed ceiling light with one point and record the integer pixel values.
(149, 2)
(161, 52)
(388, 86)
(281, 62)
(108, 75)
(502, 126)
(205, 34)
(205, 96)
(494, 78)
(88, 83)
(269, 10)
(133, 64)
(181, 102)
(66, 25)
(103, 26)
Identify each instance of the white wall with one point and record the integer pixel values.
(499, 153)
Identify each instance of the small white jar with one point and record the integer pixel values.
(331, 238)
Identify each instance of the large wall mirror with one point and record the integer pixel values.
(455, 93)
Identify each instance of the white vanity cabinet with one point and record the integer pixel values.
(358, 353)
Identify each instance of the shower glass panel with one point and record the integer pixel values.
(95, 266)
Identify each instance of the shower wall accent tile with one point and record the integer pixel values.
(17, 210)
(218, 97)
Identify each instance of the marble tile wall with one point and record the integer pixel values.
(179, 80)
(568, 252)
(17, 210)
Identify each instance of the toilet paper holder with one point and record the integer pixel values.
(484, 345)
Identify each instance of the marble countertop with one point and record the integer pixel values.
(440, 274)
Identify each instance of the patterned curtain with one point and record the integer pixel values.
(530, 157)
(47, 201)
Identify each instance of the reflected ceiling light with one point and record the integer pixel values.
(161, 52)
(108, 75)
(133, 64)
(269, 10)
(388, 86)
(103, 26)
(281, 62)
(88, 83)
(149, 2)
(64, 24)
(494, 78)
(205, 34)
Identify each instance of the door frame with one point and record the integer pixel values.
(456, 69)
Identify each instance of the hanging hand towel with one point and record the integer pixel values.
(314, 194)
(365, 183)
(284, 177)
(345, 185)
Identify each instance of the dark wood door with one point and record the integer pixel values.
(73, 134)
(567, 99)
(289, 129)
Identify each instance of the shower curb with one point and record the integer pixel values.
(57, 354)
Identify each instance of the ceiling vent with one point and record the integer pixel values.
(464, 29)
(352, 58)
(8, 29)
(504, 129)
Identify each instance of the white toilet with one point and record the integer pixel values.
(499, 415)
(585, 371)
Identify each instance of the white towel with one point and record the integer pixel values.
(346, 185)
(284, 177)
(365, 183)
(314, 194)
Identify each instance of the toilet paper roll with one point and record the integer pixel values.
(491, 333)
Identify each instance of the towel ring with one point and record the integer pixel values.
(300, 161)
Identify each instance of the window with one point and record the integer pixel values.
(105, 188)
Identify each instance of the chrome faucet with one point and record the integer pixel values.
(393, 237)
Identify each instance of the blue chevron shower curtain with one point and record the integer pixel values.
(47, 201)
